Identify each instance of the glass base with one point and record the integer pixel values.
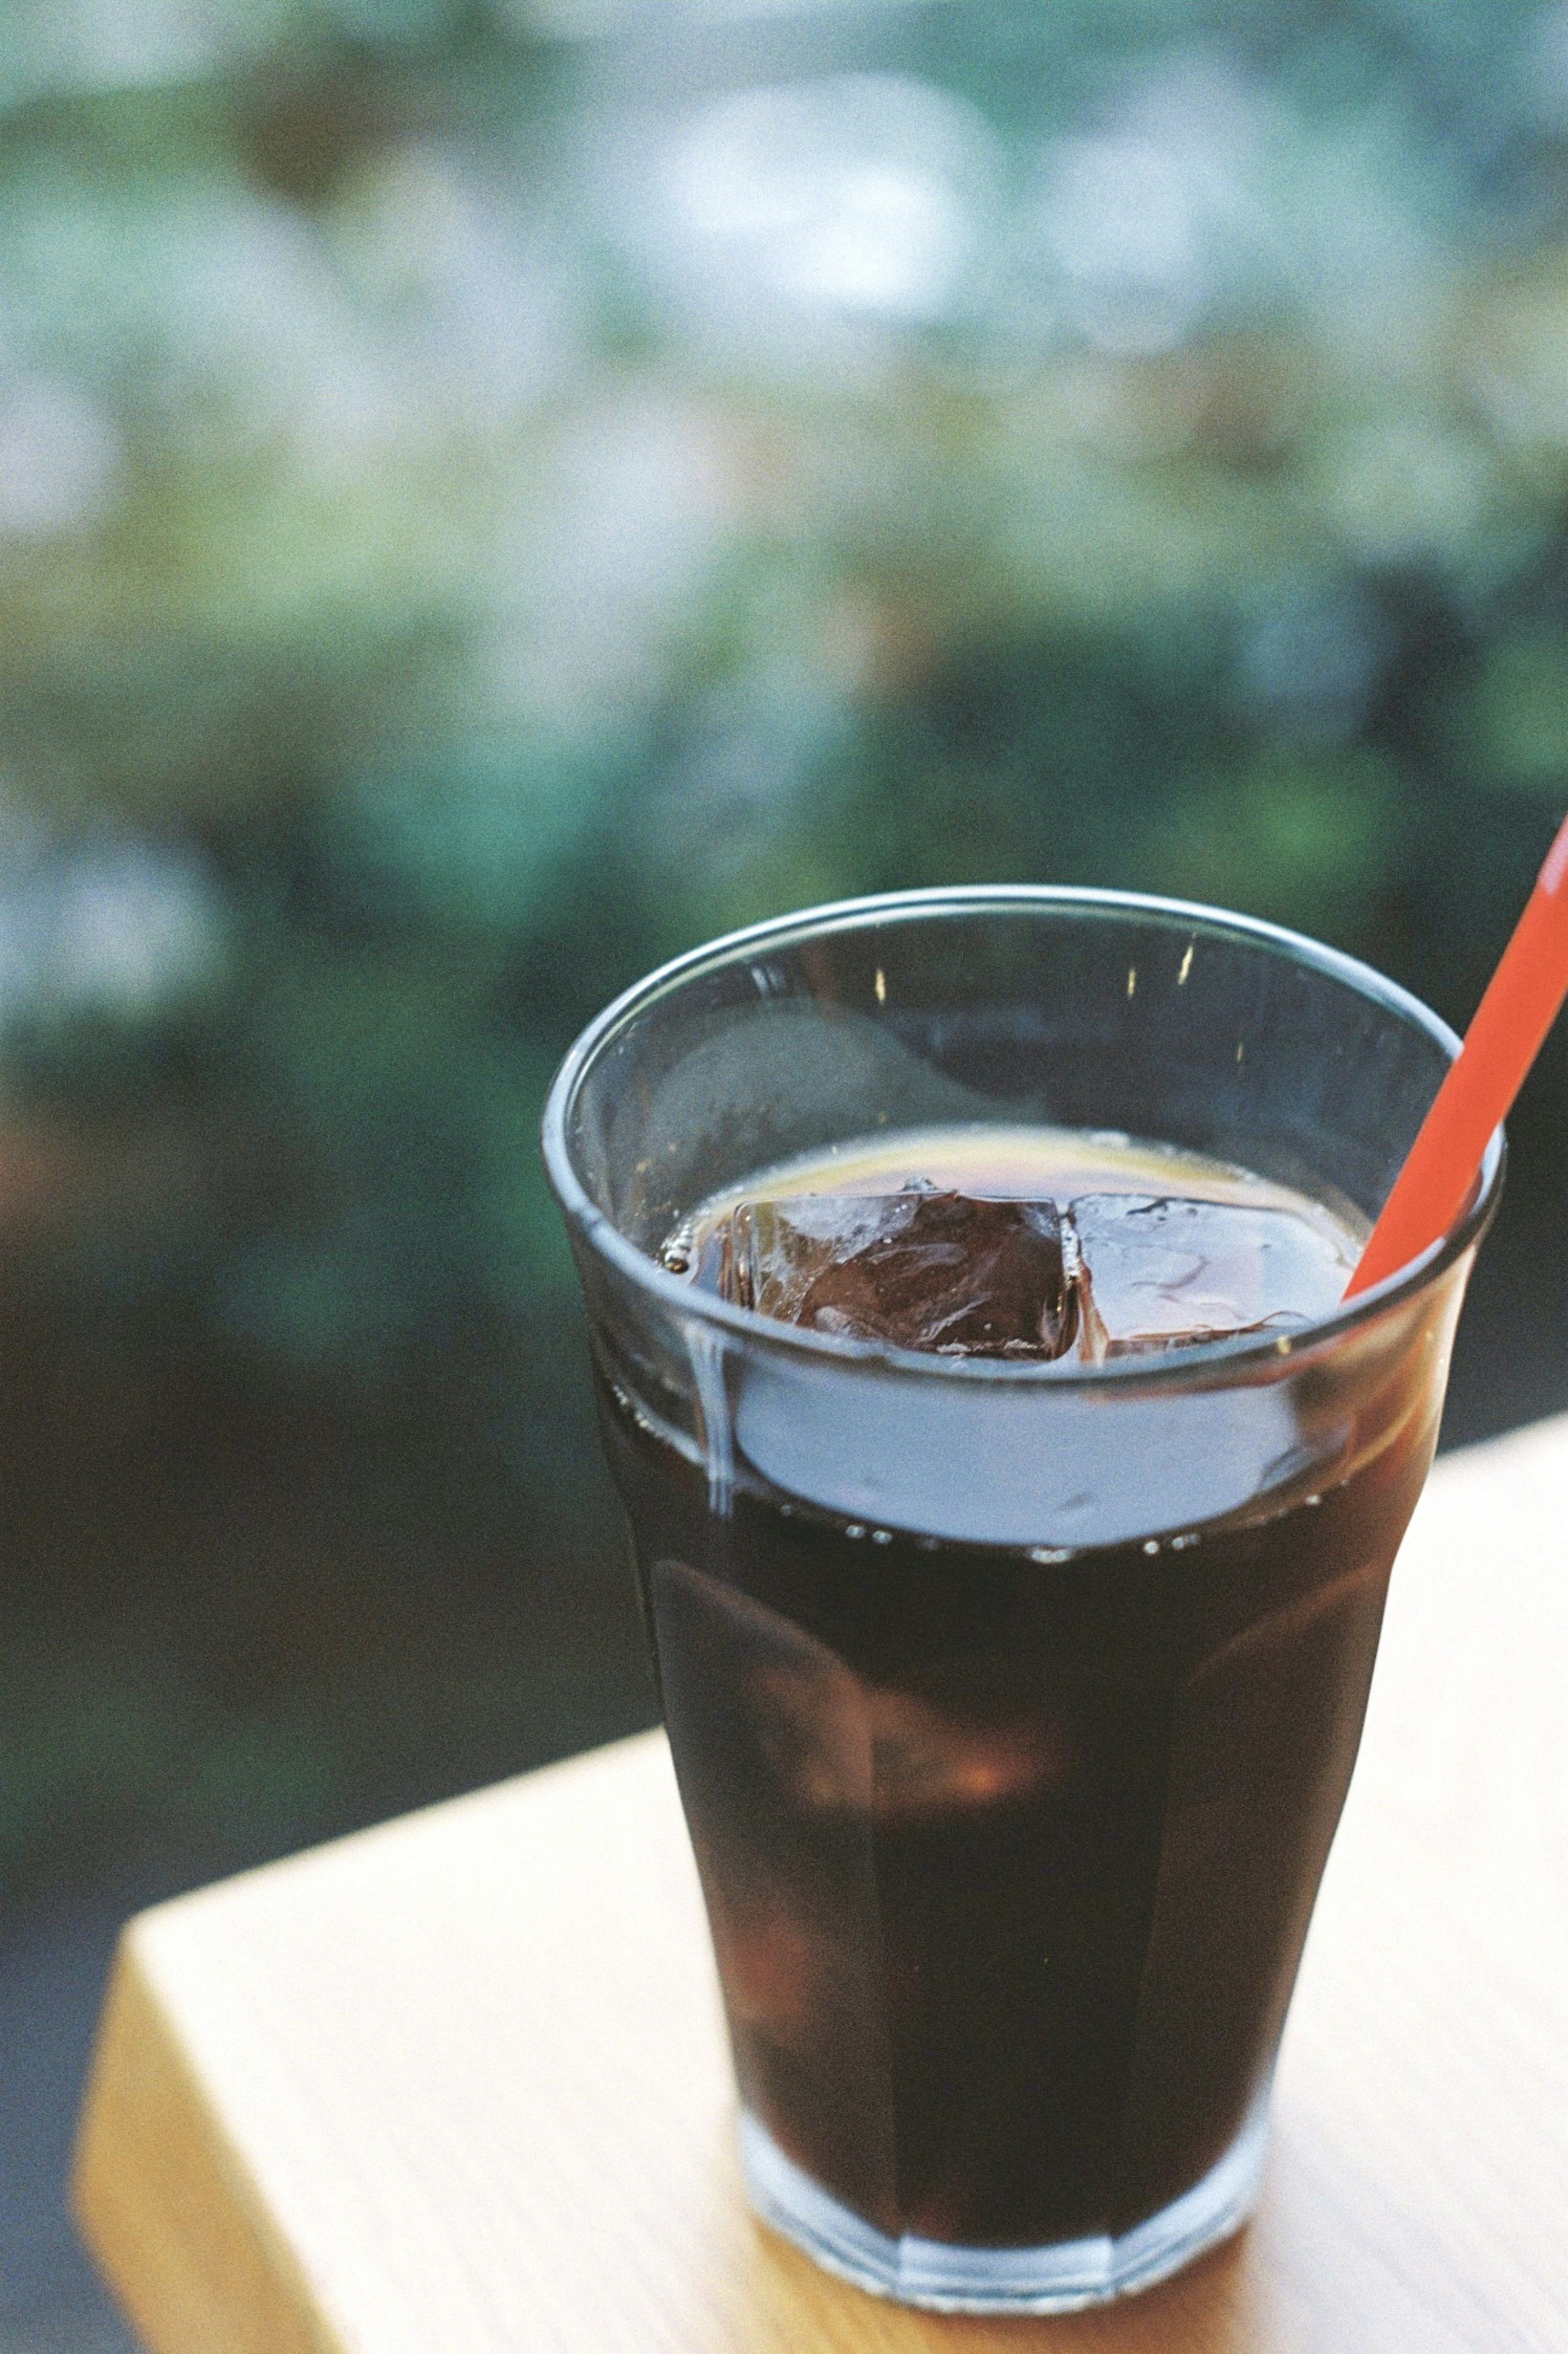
(1061, 2278)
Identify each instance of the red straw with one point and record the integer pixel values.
(1502, 1042)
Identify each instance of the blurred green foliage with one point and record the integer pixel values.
(494, 491)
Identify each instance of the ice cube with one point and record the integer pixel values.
(919, 1269)
(1159, 1270)
(927, 1759)
(838, 1746)
(803, 1727)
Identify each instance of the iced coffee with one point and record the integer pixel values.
(1013, 1499)
(1008, 1851)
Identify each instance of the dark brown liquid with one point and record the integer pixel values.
(1010, 1859)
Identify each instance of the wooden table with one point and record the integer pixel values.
(458, 2085)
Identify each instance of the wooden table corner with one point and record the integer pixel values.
(458, 2084)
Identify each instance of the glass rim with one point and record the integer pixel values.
(1241, 1353)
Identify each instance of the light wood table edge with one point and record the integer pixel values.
(166, 2204)
(1422, 2167)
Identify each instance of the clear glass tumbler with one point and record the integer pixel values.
(1012, 1704)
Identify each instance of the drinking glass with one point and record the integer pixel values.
(1012, 1704)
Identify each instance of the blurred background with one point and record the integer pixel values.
(493, 491)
